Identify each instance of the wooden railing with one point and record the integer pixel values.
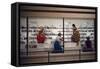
(48, 56)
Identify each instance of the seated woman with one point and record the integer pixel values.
(88, 45)
(41, 36)
(57, 44)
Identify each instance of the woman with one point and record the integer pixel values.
(76, 35)
(41, 36)
(57, 44)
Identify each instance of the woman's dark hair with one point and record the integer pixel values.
(88, 38)
(59, 34)
(73, 25)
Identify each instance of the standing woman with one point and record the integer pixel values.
(76, 35)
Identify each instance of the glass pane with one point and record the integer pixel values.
(48, 28)
(79, 38)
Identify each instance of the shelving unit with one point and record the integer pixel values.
(50, 25)
(81, 24)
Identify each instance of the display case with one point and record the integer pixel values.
(52, 34)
